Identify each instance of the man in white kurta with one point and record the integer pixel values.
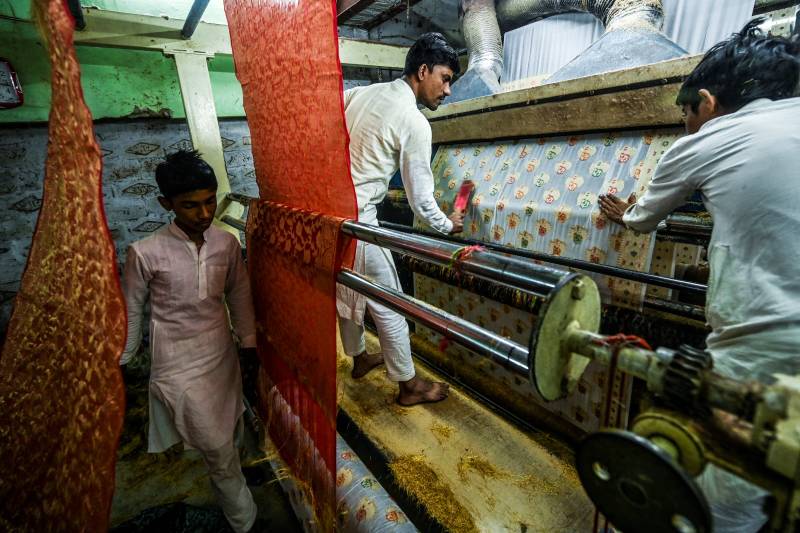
(195, 381)
(746, 165)
(387, 132)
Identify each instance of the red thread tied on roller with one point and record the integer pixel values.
(464, 195)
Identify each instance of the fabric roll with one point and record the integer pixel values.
(362, 504)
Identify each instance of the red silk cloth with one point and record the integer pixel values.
(61, 391)
(287, 59)
(293, 255)
(286, 56)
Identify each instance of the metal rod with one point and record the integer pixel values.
(689, 224)
(240, 198)
(77, 13)
(484, 342)
(241, 225)
(501, 268)
(609, 270)
(193, 19)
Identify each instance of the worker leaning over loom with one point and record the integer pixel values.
(387, 132)
(742, 153)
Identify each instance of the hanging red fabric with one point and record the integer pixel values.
(286, 57)
(61, 391)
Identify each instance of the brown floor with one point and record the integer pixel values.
(176, 481)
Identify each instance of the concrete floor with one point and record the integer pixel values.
(170, 491)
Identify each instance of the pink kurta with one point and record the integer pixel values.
(195, 381)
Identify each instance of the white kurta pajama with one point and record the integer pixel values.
(747, 167)
(195, 380)
(387, 132)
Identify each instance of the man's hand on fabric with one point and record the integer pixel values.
(457, 218)
(613, 208)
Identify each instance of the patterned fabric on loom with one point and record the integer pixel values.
(294, 255)
(61, 392)
(362, 504)
(542, 195)
(286, 57)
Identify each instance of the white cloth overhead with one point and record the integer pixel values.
(195, 381)
(544, 46)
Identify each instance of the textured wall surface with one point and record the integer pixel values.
(131, 150)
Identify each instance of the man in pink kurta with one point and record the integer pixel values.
(198, 288)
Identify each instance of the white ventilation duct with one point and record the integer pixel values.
(632, 37)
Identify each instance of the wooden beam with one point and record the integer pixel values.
(347, 9)
(638, 97)
(125, 30)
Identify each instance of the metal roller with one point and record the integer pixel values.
(564, 340)
(569, 299)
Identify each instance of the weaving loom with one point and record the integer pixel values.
(580, 396)
(537, 194)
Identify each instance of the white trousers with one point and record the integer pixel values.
(376, 263)
(230, 486)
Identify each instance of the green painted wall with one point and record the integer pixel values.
(116, 82)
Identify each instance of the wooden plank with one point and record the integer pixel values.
(125, 30)
(347, 9)
(640, 108)
(501, 478)
(638, 97)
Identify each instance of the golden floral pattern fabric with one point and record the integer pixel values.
(541, 194)
(61, 391)
(293, 258)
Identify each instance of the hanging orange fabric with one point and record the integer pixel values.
(61, 391)
(286, 56)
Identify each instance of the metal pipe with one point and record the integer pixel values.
(693, 225)
(240, 198)
(613, 14)
(241, 225)
(481, 341)
(77, 13)
(609, 270)
(633, 37)
(505, 269)
(193, 19)
(482, 35)
(587, 266)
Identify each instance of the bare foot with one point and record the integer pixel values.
(418, 390)
(365, 362)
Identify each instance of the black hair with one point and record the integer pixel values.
(747, 66)
(184, 171)
(431, 49)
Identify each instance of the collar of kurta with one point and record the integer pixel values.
(405, 88)
(179, 233)
(747, 108)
